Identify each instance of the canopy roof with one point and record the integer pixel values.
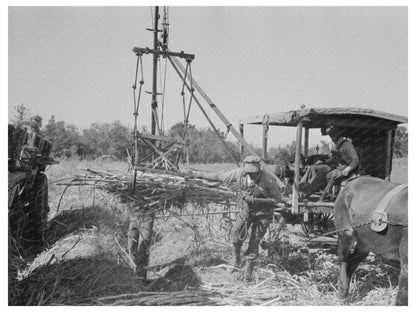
(321, 117)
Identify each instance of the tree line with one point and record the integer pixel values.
(116, 139)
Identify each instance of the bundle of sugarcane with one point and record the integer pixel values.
(157, 190)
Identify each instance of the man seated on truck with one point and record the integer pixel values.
(254, 183)
(343, 163)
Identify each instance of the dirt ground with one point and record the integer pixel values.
(84, 262)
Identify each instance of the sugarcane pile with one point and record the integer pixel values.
(157, 191)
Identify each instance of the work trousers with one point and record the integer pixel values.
(256, 217)
(139, 241)
(315, 179)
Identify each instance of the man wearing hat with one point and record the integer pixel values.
(342, 164)
(253, 183)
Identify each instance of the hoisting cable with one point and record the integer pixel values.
(191, 90)
(183, 94)
(164, 45)
(186, 110)
(185, 138)
(163, 87)
(227, 148)
(139, 64)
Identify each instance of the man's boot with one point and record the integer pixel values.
(236, 261)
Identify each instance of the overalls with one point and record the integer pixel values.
(259, 216)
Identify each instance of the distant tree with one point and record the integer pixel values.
(21, 116)
(120, 137)
(35, 123)
(205, 145)
(283, 153)
(400, 146)
(106, 139)
(65, 138)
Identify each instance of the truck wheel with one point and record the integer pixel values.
(38, 212)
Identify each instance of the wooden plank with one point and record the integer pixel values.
(160, 138)
(164, 53)
(241, 128)
(159, 171)
(316, 208)
(389, 138)
(162, 155)
(290, 118)
(295, 194)
(265, 136)
(306, 143)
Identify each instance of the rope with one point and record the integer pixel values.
(245, 231)
(141, 82)
(183, 95)
(191, 90)
(162, 118)
(187, 110)
(136, 111)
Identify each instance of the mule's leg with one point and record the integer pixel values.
(402, 295)
(346, 240)
(360, 253)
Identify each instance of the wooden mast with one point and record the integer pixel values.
(154, 82)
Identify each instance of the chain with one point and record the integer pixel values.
(360, 225)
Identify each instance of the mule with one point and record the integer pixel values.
(354, 209)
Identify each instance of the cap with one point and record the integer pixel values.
(252, 163)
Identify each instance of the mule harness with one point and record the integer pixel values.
(379, 219)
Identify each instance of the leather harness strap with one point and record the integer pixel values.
(379, 218)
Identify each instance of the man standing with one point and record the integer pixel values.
(254, 183)
(318, 175)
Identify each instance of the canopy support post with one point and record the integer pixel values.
(295, 195)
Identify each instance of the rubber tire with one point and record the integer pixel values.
(38, 211)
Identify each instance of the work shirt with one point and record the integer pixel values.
(348, 154)
(265, 185)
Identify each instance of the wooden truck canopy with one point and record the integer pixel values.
(372, 132)
(321, 117)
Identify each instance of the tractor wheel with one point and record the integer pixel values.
(37, 216)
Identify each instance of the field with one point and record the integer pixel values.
(85, 261)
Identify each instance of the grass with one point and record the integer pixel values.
(85, 262)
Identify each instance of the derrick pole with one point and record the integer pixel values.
(154, 83)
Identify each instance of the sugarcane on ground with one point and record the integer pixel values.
(85, 262)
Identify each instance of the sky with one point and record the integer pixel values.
(77, 64)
